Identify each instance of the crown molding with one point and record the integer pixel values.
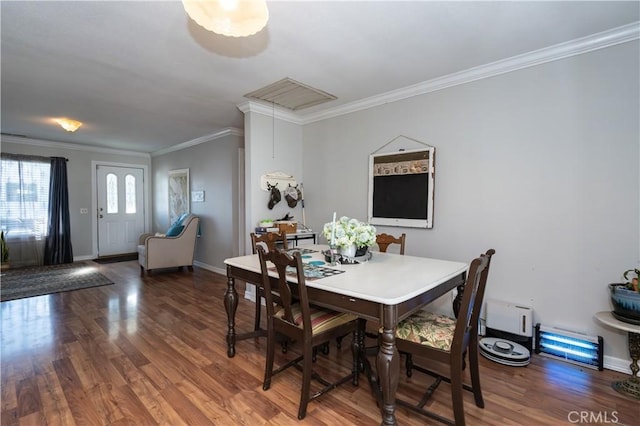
(270, 110)
(615, 36)
(23, 140)
(231, 131)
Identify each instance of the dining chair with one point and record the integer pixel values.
(385, 240)
(447, 340)
(270, 240)
(301, 322)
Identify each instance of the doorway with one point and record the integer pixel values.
(120, 208)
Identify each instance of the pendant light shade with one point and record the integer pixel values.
(232, 18)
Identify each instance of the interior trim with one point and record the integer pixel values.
(556, 52)
(76, 147)
(231, 131)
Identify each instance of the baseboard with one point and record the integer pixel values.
(210, 267)
(250, 289)
(250, 292)
(86, 257)
(617, 364)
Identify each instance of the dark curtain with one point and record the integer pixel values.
(57, 247)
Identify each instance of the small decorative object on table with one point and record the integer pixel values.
(344, 260)
(351, 237)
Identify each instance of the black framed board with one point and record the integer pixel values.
(401, 187)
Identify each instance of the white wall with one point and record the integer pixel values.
(540, 164)
(269, 149)
(213, 168)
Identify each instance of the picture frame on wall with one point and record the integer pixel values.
(178, 193)
(401, 188)
(197, 196)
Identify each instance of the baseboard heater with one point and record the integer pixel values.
(570, 346)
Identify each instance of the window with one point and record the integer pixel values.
(112, 193)
(130, 194)
(24, 198)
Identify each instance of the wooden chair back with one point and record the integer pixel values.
(385, 240)
(469, 314)
(289, 294)
(293, 319)
(269, 239)
(464, 340)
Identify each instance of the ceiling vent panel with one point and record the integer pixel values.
(291, 94)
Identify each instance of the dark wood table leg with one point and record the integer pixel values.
(230, 305)
(457, 301)
(388, 363)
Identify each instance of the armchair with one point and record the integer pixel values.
(175, 249)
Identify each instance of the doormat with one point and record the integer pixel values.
(118, 258)
(19, 283)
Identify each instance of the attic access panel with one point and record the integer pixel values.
(401, 187)
(291, 94)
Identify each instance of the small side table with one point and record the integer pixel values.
(630, 386)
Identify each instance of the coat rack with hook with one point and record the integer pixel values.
(276, 178)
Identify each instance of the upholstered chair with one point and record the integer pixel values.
(173, 249)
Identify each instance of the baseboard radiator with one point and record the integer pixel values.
(570, 346)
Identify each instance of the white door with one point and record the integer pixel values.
(120, 209)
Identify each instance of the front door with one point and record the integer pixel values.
(120, 209)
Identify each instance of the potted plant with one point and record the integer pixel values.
(4, 254)
(633, 282)
(625, 297)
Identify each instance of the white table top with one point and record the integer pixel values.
(606, 317)
(387, 278)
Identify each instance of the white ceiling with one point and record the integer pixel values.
(142, 76)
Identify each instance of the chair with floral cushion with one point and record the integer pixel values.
(270, 240)
(296, 319)
(444, 339)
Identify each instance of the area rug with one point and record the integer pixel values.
(38, 280)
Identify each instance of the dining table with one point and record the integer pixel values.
(381, 287)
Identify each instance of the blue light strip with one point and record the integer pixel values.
(562, 350)
(569, 341)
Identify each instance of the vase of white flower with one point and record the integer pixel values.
(350, 235)
(348, 251)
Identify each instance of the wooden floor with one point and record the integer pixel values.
(153, 351)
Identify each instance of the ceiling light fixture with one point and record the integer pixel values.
(68, 124)
(232, 18)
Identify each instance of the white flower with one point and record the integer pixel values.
(350, 231)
